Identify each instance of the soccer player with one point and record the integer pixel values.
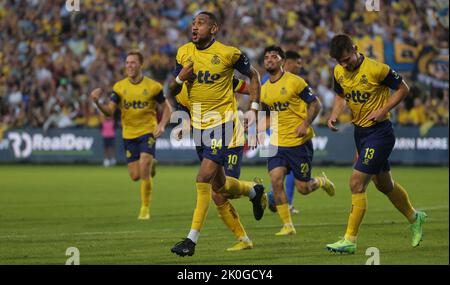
(296, 106)
(292, 64)
(207, 66)
(363, 85)
(232, 168)
(137, 96)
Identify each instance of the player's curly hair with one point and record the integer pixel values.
(276, 49)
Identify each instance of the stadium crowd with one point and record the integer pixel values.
(52, 58)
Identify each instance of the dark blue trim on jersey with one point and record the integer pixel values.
(235, 83)
(337, 87)
(177, 69)
(243, 65)
(114, 97)
(307, 95)
(392, 80)
(210, 44)
(160, 97)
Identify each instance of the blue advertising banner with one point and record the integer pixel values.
(86, 146)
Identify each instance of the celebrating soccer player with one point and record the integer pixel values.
(232, 167)
(292, 64)
(207, 66)
(292, 99)
(137, 96)
(363, 85)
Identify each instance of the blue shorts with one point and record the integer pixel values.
(212, 143)
(374, 145)
(134, 147)
(297, 158)
(233, 160)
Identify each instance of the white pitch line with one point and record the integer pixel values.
(219, 228)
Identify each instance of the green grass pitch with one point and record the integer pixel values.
(46, 209)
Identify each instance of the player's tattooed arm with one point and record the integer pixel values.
(106, 109)
(397, 97)
(313, 110)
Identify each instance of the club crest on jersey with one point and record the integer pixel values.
(341, 79)
(363, 80)
(145, 93)
(215, 60)
(283, 91)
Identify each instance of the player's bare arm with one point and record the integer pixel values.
(338, 107)
(396, 98)
(161, 127)
(108, 109)
(254, 91)
(313, 110)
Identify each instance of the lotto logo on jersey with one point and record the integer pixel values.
(135, 104)
(207, 77)
(357, 97)
(278, 106)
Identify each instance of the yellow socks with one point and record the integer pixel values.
(400, 199)
(236, 187)
(285, 214)
(146, 191)
(231, 219)
(359, 207)
(201, 209)
(320, 181)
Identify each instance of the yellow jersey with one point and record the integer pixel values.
(211, 93)
(137, 104)
(182, 98)
(289, 96)
(184, 103)
(365, 89)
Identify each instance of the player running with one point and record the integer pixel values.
(207, 66)
(296, 105)
(137, 96)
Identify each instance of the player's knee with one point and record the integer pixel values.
(135, 176)
(219, 199)
(204, 178)
(277, 185)
(357, 186)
